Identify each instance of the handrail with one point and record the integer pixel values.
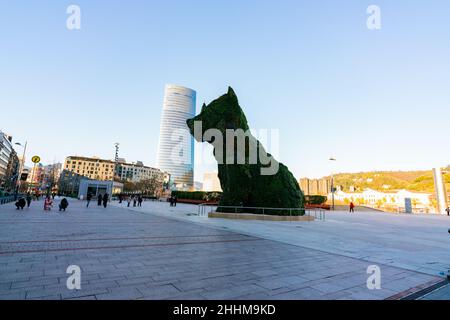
(319, 214)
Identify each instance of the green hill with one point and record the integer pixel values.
(420, 181)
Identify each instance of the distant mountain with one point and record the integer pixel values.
(420, 181)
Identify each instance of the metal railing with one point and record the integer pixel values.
(7, 199)
(206, 208)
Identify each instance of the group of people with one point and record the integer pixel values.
(48, 202)
(136, 199)
(173, 201)
(101, 199)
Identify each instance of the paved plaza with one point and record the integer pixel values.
(159, 252)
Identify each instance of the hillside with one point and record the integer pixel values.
(420, 181)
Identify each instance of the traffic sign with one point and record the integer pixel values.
(36, 159)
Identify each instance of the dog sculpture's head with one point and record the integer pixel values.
(221, 114)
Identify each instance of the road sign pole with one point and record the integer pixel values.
(35, 160)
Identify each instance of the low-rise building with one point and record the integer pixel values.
(92, 168)
(98, 187)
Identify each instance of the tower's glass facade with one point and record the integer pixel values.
(176, 145)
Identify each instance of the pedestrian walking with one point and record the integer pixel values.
(105, 199)
(128, 201)
(120, 198)
(99, 199)
(175, 201)
(134, 201)
(88, 199)
(448, 211)
(352, 207)
(171, 201)
(63, 204)
(140, 201)
(28, 198)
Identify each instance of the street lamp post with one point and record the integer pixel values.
(332, 186)
(116, 162)
(22, 164)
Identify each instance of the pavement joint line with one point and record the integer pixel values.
(123, 247)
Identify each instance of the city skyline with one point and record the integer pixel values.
(376, 100)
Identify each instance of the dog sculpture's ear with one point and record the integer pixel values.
(231, 92)
(203, 106)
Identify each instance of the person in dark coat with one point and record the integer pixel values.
(20, 204)
(29, 198)
(134, 201)
(99, 199)
(140, 201)
(63, 204)
(120, 198)
(105, 200)
(171, 201)
(175, 201)
(88, 199)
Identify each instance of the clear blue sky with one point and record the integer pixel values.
(376, 100)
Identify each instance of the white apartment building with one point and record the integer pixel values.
(211, 182)
(135, 172)
(373, 198)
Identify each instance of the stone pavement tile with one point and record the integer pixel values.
(20, 295)
(293, 281)
(255, 296)
(69, 294)
(159, 292)
(271, 284)
(264, 273)
(241, 277)
(35, 282)
(39, 293)
(232, 292)
(327, 287)
(339, 295)
(84, 298)
(187, 285)
(5, 286)
(306, 293)
(134, 281)
(52, 297)
(120, 293)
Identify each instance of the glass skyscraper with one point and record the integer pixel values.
(176, 145)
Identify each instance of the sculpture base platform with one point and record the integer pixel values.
(251, 216)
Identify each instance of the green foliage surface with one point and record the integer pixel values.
(243, 184)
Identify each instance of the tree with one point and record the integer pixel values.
(152, 186)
